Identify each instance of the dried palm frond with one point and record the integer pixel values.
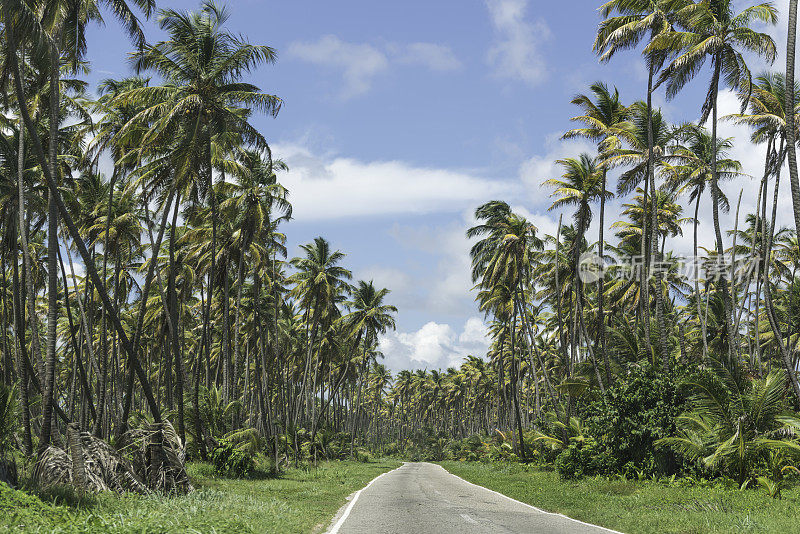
(158, 455)
(104, 469)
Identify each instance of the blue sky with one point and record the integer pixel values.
(401, 117)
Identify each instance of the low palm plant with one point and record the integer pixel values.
(736, 424)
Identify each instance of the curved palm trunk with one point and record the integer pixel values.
(768, 304)
(70, 223)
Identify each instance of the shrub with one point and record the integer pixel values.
(639, 409)
(231, 461)
(583, 457)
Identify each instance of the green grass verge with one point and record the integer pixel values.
(299, 500)
(634, 507)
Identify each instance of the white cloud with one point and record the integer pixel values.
(538, 168)
(515, 54)
(434, 345)
(446, 289)
(330, 187)
(436, 57)
(359, 63)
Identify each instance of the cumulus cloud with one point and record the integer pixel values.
(516, 53)
(361, 63)
(331, 187)
(434, 345)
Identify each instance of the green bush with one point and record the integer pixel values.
(231, 461)
(640, 408)
(583, 457)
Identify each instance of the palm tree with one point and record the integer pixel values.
(25, 23)
(319, 282)
(506, 255)
(580, 186)
(767, 118)
(637, 20)
(201, 110)
(734, 425)
(369, 317)
(692, 163)
(606, 122)
(713, 31)
(789, 112)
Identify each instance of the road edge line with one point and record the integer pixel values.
(335, 528)
(530, 505)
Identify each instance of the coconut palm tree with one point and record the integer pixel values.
(579, 186)
(202, 109)
(713, 31)
(605, 121)
(369, 317)
(692, 163)
(635, 21)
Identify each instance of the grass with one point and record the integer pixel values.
(634, 507)
(299, 500)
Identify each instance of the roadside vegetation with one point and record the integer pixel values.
(298, 500)
(642, 506)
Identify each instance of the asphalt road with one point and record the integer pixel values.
(423, 498)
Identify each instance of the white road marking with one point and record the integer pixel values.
(335, 528)
(468, 519)
(526, 504)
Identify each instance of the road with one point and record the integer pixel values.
(423, 498)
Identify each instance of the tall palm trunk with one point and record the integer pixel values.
(27, 262)
(768, 304)
(70, 223)
(653, 252)
(723, 282)
(697, 279)
(601, 281)
(172, 296)
(19, 328)
(237, 321)
(644, 287)
(791, 127)
(52, 250)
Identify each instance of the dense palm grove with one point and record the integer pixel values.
(613, 355)
(147, 300)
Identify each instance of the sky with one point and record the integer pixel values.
(400, 118)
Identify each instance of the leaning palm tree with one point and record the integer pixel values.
(24, 27)
(605, 121)
(712, 30)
